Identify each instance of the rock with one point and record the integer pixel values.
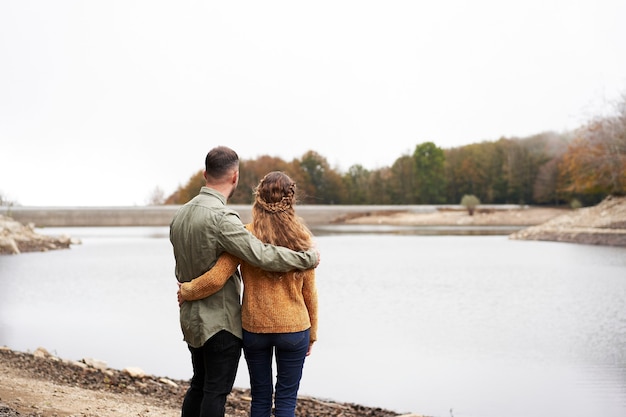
(16, 238)
(41, 353)
(78, 364)
(6, 411)
(8, 245)
(168, 382)
(134, 371)
(95, 363)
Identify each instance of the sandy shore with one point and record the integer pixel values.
(458, 217)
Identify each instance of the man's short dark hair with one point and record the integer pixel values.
(220, 162)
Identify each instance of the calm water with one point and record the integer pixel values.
(439, 325)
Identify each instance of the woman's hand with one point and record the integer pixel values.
(179, 295)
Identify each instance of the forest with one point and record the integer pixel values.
(578, 167)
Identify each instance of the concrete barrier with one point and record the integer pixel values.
(91, 216)
(162, 215)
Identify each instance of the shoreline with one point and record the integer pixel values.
(603, 224)
(39, 384)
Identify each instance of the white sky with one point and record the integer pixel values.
(102, 101)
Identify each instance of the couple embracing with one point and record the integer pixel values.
(275, 257)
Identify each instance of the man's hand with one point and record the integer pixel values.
(319, 255)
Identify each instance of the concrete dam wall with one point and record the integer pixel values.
(162, 215)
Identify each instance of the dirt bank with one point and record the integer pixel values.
(603, 224)
(458, 217)
(42, 385)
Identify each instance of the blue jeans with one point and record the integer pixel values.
(290, 349)
(214, 370)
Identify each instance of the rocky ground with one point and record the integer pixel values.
(16, 238)
(42, 385)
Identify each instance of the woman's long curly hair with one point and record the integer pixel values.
(274, 219)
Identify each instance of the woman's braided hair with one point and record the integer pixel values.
(274, 219)
(285, 203)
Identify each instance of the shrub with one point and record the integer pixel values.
(575, 204)
(470, 202)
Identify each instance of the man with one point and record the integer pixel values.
(201, 230)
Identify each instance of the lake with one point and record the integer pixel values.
(440, 325)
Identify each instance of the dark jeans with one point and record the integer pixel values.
(214, 370)
(290, 349)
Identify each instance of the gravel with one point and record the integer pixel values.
(64, 376)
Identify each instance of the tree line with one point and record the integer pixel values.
(550, 168)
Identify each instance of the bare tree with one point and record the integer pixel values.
(157, 197)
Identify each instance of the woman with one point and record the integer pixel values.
(279, 311)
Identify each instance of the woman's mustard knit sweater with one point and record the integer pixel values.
(272, 303)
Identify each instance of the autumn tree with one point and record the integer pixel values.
(378, 187)
(402, 182)
(543, 168)
(546, 185)
(546, 182)
(523, 159)
(455, 183)
(188, 191)
(317, 182)
(476, 169)
(595, 162)
(356, 182)
(251, 171)
(336, 191)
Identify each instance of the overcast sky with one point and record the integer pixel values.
(103, 101)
